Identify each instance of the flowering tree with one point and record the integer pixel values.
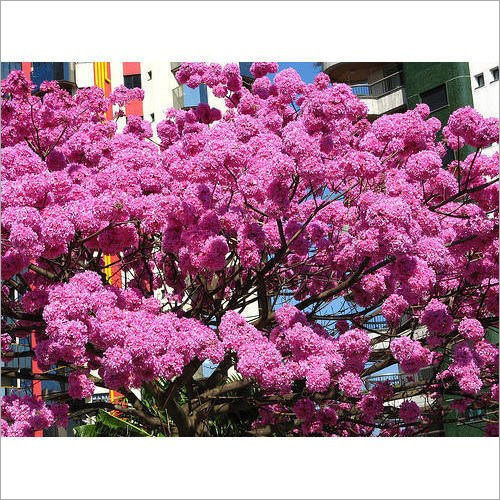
(265, 240)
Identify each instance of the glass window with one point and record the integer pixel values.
(479, 80)
(193, 97)
(494, 74)
(7, 67)
(52, 386)
(132, 81)
(435, 98)
(59, 71)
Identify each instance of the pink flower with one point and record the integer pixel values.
(260, 69)
(213, 254)
(410, 354)
(351, 384)
(393, 308)
(409, 412)
(437, 317)
(471, 329)
(80, 386)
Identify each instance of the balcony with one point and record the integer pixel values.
(379, 88)
(7, 67)
(377, 322)
(379, 85)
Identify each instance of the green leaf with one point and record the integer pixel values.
(117, 423)
(88, 430)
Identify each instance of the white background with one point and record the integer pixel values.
(250, 467)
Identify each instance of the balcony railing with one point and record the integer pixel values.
(100, 397)
(380, 87)
(361, 89)
(399, 379)
(377, 322)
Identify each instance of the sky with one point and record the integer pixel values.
(306, 70)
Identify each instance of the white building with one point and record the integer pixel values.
(157, 79)
(484, 83)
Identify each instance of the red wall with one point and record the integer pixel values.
(133, 107)
(26, 69)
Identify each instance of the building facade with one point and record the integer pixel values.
(485, 91)
(390, 87)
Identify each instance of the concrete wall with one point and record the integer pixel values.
(386, 103)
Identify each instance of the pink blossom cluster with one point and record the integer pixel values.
(260, 69)
(371, 404)
(122, 95)
(6, 342)
(23, 415)
(471, 362)
(314, 419)
(393, 308)
(437, 318)
(409, 412)
(410, 354)
(351, 384)
(467, 124)
(80, 386)
(295, 350)
(134, 342)
(221, 79)
(471, 329)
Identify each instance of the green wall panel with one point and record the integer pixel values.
(423, 76)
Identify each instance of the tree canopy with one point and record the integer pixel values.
(269, 239)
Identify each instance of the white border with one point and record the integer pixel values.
(234, 468)
(276, 30)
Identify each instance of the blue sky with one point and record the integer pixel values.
(305, 69)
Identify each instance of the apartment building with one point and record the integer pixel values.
(485, 91)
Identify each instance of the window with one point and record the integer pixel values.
(494, 74)
(7, 67)
(193, 97)
(152, 117)
(58, 68)
(132, 81)
(150, 75)
(435, 98)
(479, 80)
